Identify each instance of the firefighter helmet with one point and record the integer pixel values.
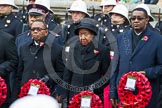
(122, 10)
(79, 6)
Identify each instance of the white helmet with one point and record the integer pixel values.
(80, 6)
(8, 2)
(45, 3)
(38, 101)
(122, 10)
(108, 2)
(144, 6)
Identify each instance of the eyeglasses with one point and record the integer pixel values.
(37, 29)
(138, 18)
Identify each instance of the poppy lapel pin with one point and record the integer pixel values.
(145, 38)
(96, 51)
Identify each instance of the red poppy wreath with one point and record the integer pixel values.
(131, 99)
(76, 100)
(3, 91)
(42, 87)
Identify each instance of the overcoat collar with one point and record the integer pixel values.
(141, 43)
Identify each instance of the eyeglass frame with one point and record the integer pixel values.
(38, 29)
(139, 18)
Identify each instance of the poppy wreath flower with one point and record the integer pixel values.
(43, 89)
(128, 99)
(76, 100)
(3, 91)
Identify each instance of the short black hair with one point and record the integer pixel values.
(43, 22)
(141, 9)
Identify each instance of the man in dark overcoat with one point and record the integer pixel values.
(139, 50)
(32, 62)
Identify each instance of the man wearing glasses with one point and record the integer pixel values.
(35, 12)
(139, 50)
(31, 59)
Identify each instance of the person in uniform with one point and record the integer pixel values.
(8, 22)
(52, 25)
(106, 7)
(135, 55)
(78, 11)
(119, 23)
(82, 58)
(23, 13)
(32, 62)
(108, 35)
(119, 19)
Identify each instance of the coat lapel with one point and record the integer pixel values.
(127, 44)
(141, 43)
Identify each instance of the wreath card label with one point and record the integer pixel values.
(95, 101)
(86, 101)
(131, 83)
(33, 89)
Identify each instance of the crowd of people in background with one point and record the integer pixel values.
(82, 50)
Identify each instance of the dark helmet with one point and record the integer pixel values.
(37, 9)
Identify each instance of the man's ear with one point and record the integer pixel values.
(148, 18)
(46, 32)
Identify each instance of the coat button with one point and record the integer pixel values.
(130, 62)
(36, 57)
